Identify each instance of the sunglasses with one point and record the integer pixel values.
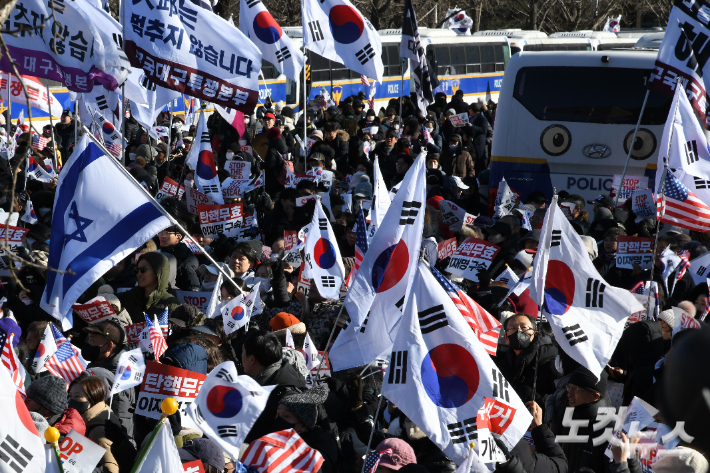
(142, 269)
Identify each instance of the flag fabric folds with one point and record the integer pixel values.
(323, 260)
(282, 452)
(201, 160)
(152, 338)
(162, 455)
(47, 347)
(10, 361)
(360, 245)
(411, 48)
(67, 362)
(681, 207)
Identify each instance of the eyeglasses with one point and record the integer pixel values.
(165, 233)
(574, 389)
(512, 330)
(142, 269)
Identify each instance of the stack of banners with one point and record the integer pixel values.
(677, 57)
(162, 381)
(110, 136)
(79, 454)
(506, 198)
(683, 321)
(292, 248)
(460, 119)
(472, 256)
(129, 371)
(191, 50)
(643, 205)
(634, 251)
(195, 198)
(454, 216)
(446, 249)
(201, 300)
(638, 416)
(218, 219)
(236, 188)
(632, 185)
(14, 236)
(36, 91)
(238, 169)
(94, 311)
(169, 188)
(86, 53)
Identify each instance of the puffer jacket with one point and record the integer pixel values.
(124, 402)
(188, 356)
(458, 163)
(68, 420)
(136, 303)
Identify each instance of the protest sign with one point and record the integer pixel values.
(220, 218)
(683, 320)
(235, 188)
(637, 417)
(301, 201)
(631, 184)
(168, 188)
(292, 179)
(643, 205)
(199, 299)
(446, 249)
(486, 447)
(133, 334)
(634, 250)
(245, 147)
(459, 120)
(292, 246)
(314, 378)
(471, 257)
(95, 310)
(193, 467)
(304, 282)
(36, 92)
(452, 215)
(14, 236)
(79, 454)
(195, 198)
(163, 381)
(239, 169)
(370, 130)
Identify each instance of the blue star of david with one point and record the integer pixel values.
(81, 225)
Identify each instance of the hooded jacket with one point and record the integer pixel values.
(124, 402)
(136, 303)
(186, 278)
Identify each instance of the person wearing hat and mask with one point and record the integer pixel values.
(337, 142)
(209, 275)
(455, 160)
(48, 397)
(530, 241)
(260, 141)
(369, 120)
(481, 132)
(204, 450)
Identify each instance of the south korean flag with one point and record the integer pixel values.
(227, 406)
(129, 371)
(325, 265)
(586, 314)
(201, 160)
(440, 375)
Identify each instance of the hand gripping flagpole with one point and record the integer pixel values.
(631, 148)
(162, 210)
(51, 435)
(169, 406)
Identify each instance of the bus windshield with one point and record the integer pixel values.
(589, 94)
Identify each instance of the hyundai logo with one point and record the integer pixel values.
(597, 151)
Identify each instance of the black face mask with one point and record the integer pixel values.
(281, 424)
(79, 406)
(520, 341)
(90, 352)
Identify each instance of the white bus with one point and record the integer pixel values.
(566, 120)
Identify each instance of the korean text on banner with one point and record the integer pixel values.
(314, 379)
(168, 189)
(446, 248)
(94, 311)
(471, 257)
(163, 381)
(220, 218)
(634, 250)
(14, 235)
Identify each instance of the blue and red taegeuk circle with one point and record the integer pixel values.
(224, 401)
(238, 313)
(346, 24)
(450, 375)
(266, 28)
(108, 128)
(324, 253)
(390, 267)
(559, 288)
(126, 373)
(206, 167)
(40, 351)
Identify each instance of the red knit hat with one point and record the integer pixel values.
(283, 320)
(273, 133)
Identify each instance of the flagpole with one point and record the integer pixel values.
(401, 90)
(51, 435)
(9, 110)
(123, 124)
(631, 148)
(162, 210)
(51, 124)
(372, 432)
(305, 107)
(326, 351)
(662, 197)
(170, 129)
(76, 123)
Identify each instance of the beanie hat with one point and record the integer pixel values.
(203, 449)
(317, 133)
(363, 189)
(681, 459)
(49, 392)
(402, 454)
(305, 405)
(41, 424)
(273, 133)
(283, 320)
(667, 316)
(584, 378)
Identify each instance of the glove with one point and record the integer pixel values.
(23, 197)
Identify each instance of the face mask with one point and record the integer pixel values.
(187, 183)
(453, 148)
(265, 284)
(281, 424)
(520, 341)
(90, 352)
(209, 285)
(430, 129)
(246, 120)
(27, 301)
(230, 155)
(79, 406)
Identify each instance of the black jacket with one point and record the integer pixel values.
(187, 264)
(580, 455)
(321, 440)
(548, 456)
(520, 370)
(123, 402)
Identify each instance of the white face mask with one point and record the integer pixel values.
(132, 156)
(27, 301)
(230, 155)
(187, 183)
(209, 285)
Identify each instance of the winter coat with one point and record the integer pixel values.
(341, 149)
(68, 420)
(322, 440)
(273, 163)
(519, 370)
(124, 402)
(132, 129)
(387, 160)
(481, 133)
(548, 456)
(437, 146)
(585, 454)
(187, 264)
(107, 433)
(287, 381)
(457, 163)
(136, 303)
(260, 143)
(188, 356)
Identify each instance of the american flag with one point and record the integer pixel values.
(371, 99)
(9, 360)
(113, 148)
(163, 321)
(682, 207)
(67, 362)
(360, 245)
(282, 452)
(152, 337)
(364, 81)
(373, 459)
(639, 288)
(683, 265)
(484, 325)
(38, 142)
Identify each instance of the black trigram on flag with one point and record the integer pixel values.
(198, 414)
(14, 454)
(328, 281)
(251, 3)
(500, 386)
(556, 238)
(227, 431)
(409, 212)
(398, 367)
(283, 54)
(595, 293)
(464, 431)
(224, 374)
(365, 54)
(400, 303)
(145, 82)
(701, 271)
(316, 32)
(574, 334)
(101, 102)
(701, 183)
(433, 319)
(364, 324)
(205, 137)
(118, 39)
(323, 224)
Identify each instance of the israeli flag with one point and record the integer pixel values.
(92, 230)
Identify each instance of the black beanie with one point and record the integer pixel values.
(584, 378)
(49, 392)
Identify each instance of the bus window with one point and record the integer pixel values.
(395, 65)
(320, 68)
(340, 72)
(384, 61)
(458, 60)
(500, 57)
(488, 58)
(268, 70)
(473, 59)
(514, 49)
(589, 94)
(443, 60)
(291, 91)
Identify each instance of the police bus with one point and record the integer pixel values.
(566, 120)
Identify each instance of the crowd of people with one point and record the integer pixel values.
(338, 413)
